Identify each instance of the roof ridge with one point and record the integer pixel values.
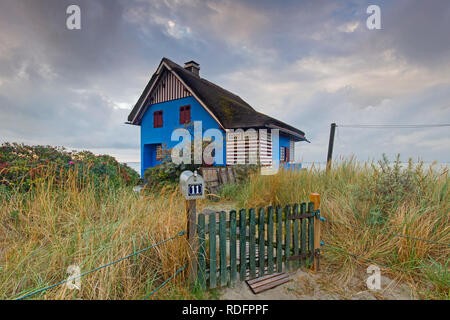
(230, 109)
(204, 79)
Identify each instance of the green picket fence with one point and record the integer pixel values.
(248, 244)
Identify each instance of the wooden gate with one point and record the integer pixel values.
(248, 244)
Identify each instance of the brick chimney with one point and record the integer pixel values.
(193, 67)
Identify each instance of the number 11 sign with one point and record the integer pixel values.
(195, 189)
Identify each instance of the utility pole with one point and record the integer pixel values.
(330, 146)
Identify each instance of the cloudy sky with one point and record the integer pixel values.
(308, 63)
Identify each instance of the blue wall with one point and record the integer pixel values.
(171, 120)
(150, 136)
(283, 141)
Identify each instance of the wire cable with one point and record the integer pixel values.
(166, 281)
(390, 126)
(101, 267)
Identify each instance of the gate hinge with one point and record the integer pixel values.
(317, 253)
(317, 213)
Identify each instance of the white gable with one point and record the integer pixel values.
(168, 88)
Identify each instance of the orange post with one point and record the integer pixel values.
(315, 198)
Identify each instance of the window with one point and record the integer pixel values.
(185, 114)
(157, 119)
(159, 153)
(284, 154)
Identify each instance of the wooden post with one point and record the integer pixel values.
(191, 213)
(330, 146)
(315, 198)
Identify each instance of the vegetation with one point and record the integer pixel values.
(24, 166)
(364, 204)
(72, 216)
(168, 172)
(49, 228)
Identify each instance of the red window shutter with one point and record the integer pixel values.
(157, 119)
(287, 155)
(185, 114)
(181, 115)
(187, 111)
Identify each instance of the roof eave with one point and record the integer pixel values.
(296, 135)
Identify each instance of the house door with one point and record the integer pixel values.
(152, 155)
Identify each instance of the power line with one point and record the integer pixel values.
(373, 126)
(390, 126)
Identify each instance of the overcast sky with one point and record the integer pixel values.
(307, 63)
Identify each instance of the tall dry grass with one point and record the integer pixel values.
(369, 201)
(49, 228)
(53, 226)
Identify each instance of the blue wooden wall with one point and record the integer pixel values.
(171, 120)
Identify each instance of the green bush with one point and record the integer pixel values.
(166, 173)
(242, 172)
(22, 166)
(387, 185)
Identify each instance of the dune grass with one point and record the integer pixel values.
(367, 202)
(52, 226)
(49, 228)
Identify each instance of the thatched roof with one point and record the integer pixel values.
(228, 108)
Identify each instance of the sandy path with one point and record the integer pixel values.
(306, 285)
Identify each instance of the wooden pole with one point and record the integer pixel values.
(315, 198)
(191, 213)
(330, 146)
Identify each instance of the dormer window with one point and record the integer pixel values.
(185, 114)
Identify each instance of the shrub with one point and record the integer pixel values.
(22, 166)
(242, 172)
(388, 185)
(166, 173)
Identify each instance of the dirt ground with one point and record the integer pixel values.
(305, 285)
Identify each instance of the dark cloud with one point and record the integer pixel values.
(308, 63)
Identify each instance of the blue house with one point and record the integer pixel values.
(176, 97)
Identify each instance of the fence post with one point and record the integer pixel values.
(191, 212)
(315, 198)
(202, 251)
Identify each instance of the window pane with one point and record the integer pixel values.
(158, 152)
